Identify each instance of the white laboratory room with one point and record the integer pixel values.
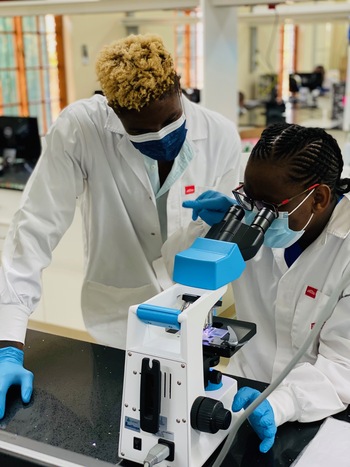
(153, 156)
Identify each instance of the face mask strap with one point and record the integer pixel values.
(303, 201)
(181, 105)
(308, 222)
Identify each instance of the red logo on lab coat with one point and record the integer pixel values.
(189, 189)
(311, 291)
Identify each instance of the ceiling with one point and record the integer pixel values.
(256, 11)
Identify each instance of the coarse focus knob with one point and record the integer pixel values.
(209, 415)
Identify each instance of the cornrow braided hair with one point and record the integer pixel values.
(311, 155)
(135, 71)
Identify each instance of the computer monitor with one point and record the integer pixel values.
(193, 94)
(311, 81)
(19, 140)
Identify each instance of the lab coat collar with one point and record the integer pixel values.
(196, 126)
(339, 223)
(113, 122)
(128, 151)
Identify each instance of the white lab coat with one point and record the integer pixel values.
(285, 303)
(87, 156)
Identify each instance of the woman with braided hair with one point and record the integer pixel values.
(295, 171)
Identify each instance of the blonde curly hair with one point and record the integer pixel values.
(135, 71)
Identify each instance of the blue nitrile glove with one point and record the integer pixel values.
(12, 372)
(262, 418)
(211, 206)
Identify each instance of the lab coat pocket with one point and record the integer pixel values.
(105, 310)
(308, 309)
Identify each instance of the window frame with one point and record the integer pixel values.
(52, 100)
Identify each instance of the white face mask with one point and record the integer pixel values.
(279, 235)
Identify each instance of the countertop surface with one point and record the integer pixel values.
(77, 398)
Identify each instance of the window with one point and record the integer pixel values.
(189, 48)
(31, 68)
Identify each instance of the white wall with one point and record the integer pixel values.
(93, 32)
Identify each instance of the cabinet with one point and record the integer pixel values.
(59, 308)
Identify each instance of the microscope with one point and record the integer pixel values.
(172, 395)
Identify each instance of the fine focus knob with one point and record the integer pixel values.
(215, 376)
(209, 415)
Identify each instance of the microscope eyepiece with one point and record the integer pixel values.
(264, 219)
(249, 238)
(226, 229)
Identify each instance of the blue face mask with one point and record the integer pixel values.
(163, 145)
(279, 235)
